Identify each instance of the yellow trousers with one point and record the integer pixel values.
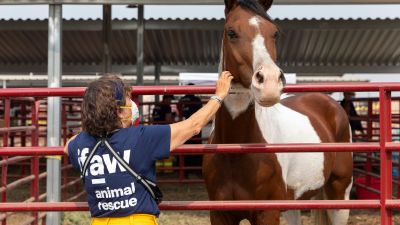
(134, 219)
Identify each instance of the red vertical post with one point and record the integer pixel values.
(398, 176)
(369, 121)
(35, 159)
(181, 158)
(181, 167)
(64, 128)
(385, 120)
(369, 161)
(64, 123)
(44, 111)
(35, 123)
(65, 177)
(398, 158)
(23, 122)
(7, 105)
(368, 165)
(22, 136)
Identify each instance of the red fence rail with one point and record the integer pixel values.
(386, 204)
(225, 148)
(160, 90)
(213, 205)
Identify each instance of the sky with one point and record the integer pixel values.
(204, 11)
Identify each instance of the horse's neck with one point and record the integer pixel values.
(242, 129)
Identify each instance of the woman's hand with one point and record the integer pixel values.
(223, 84)
(66, 145)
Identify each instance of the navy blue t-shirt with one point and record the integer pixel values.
(111, 190)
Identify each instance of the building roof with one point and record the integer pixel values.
(305, 46)
(191, 2)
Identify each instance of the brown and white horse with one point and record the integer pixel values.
(259, 113)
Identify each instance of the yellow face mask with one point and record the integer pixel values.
(134, 112)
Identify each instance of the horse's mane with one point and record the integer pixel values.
(255, 7)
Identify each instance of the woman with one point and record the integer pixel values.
(114, 195)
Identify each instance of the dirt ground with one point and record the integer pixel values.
(197, 192)
(186, 192)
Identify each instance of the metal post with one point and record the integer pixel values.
(64, 124)
(23, 123)
(139, 43)
(64, 134)
(157, 71)
(369, 162)
(107, 27)
(53, 184)
(7, 120)
(398, 157)
(139, 52)
(35, 160)
(4, 167)
(385, 130)
(369, 121)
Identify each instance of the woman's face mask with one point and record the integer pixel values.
(134, 112)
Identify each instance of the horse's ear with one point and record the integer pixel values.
(266, 4)
(229, 5)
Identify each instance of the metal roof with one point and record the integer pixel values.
(73, 80)
(82, 80)
(190, 2)
(306, 46)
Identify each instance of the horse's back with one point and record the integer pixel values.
(325, 114)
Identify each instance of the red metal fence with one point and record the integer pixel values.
(24, 118)
(385, 146)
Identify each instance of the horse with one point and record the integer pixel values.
(257, 111)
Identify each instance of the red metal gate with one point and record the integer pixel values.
(386, 204)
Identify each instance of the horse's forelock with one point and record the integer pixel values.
(254, 6)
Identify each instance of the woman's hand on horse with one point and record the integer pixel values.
(223, 84)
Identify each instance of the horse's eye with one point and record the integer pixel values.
(276, 35)
(232, 34)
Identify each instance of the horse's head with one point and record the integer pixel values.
(249, 50)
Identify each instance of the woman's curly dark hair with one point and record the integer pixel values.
(101, 103)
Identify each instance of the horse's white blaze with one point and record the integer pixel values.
(261, 56)
(254, 21)
(239, 102)
(301, 172)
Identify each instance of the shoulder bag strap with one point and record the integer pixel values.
(129, 169)
(91, 154)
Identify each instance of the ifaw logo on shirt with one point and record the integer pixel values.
(101, 164)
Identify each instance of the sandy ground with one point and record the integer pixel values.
(182, 192)
(197, 192)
